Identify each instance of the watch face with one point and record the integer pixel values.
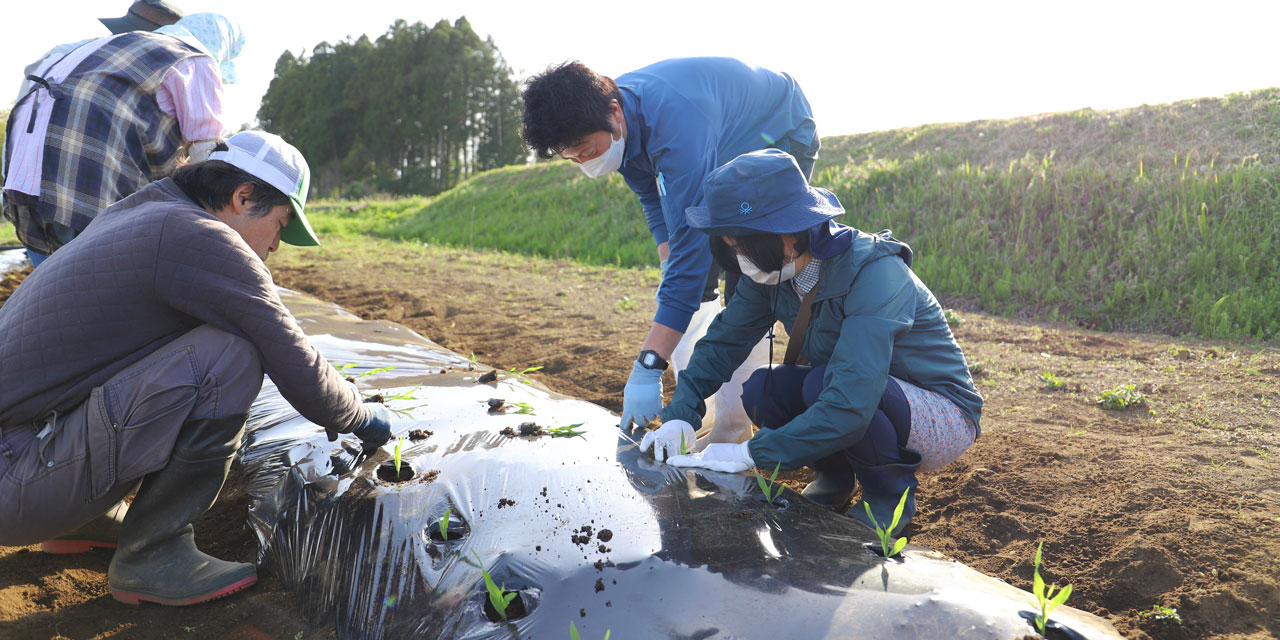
(649, 359)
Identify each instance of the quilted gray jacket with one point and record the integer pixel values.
(146, 270)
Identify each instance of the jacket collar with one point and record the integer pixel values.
(839, 271)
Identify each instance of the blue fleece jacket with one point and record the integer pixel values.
(871, 318)
(685, 117)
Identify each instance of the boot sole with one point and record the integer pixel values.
(59, 547)
(128, 597)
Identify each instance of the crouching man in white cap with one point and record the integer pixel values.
(133, 354)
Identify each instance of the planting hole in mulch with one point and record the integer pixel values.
(516, 609)
(875, 550)
(1052, 629)
(387, 472)
(455, 530)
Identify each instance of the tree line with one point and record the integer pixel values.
(414, 112)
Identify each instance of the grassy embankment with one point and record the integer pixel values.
(1162, 218)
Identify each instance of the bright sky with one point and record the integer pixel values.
(864, 66)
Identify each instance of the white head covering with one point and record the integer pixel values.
(213, 34)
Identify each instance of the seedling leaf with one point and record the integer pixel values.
(497, 595)
(770, 488)
(444, 525)
(1046, 601)
(898, 546)
(399, 445)
(885, 535)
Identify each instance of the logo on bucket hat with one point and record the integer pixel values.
(268, 157)
(761, 192)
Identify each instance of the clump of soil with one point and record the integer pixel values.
(599, 585)
(582, 535)
(531, 429)
(497, 405)
(377, 397)
(420, 434)
(491, 376)
(506, 502)
(605, 535)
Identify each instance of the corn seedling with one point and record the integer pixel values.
(523, 408)
(1122, 397)
(1046, 600)
(573, 632)
(399, 446)
(1167, 615)
(952, 318)
(567, 431)
(684, 448)
(342, 368)
(771, 488)
(520, 375)
(444, 525)
(885, 535)
(625, 303)
(498, 596)
(1051, 381)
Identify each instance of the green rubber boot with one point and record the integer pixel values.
(102, 532)
(157, 560)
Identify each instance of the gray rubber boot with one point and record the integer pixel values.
(157, 560)
(100, 532)
(833, 482)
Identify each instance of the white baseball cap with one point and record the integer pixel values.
(268, 157)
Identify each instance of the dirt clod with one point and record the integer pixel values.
(599, 585)
(420, 434)
(605, 535)
(491, 376)
(506, 502)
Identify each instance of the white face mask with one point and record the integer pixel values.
(750, 270)
(607, 162)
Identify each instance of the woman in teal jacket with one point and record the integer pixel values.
(886, 390)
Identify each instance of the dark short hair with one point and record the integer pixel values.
(212, 183)
(764, 250)
(564, 104)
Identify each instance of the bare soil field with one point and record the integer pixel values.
(1175, 503)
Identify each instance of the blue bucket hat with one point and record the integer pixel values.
(761, 192)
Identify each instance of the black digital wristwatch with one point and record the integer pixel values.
(650, 359)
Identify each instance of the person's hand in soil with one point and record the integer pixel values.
(666, 440)
(729, 458)
(376, 428)
(642, 397)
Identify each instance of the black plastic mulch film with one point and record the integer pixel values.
(584, 528)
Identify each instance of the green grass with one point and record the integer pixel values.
(1157, 218)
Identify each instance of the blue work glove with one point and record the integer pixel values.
(720, 456)
(642, 397)
(376, 428)
(666, 440)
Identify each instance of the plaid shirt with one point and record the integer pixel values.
(107, 103)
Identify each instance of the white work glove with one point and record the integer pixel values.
(666, 439)
(642, 397)
(729, 458)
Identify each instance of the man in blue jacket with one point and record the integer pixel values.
(664, 128)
